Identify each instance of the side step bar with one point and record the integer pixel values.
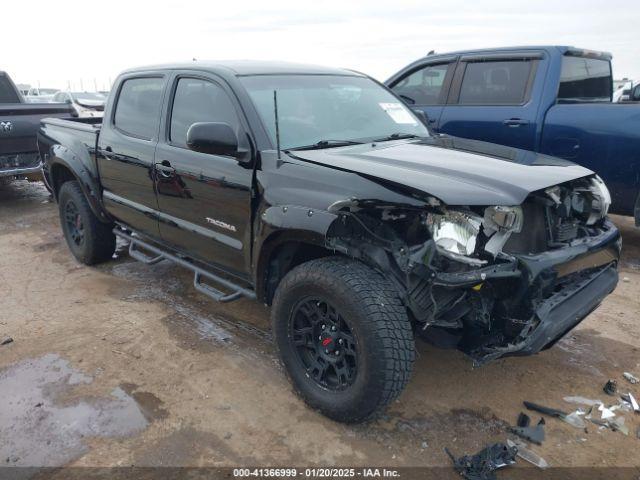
(135, 244)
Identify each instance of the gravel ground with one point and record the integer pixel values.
(126, 364)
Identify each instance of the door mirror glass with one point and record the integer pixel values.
(215, 138)
(635, 96)
(422, 115)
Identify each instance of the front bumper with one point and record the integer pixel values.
(557, 315)
(559, 288)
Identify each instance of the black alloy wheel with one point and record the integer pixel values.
(324, 344)
(74, 223)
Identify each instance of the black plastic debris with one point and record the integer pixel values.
(523, 420)
(610, 387)
(546, 410)
(526, 432)
(572, 419)
(6, 341)
(482, 466)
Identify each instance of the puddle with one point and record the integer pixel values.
(37, 429)
(150, 405)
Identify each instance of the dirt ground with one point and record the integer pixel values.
(125, 364)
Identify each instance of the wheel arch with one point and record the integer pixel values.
(61, 169)
(282, 251)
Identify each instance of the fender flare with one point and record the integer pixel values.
(277, 225)
(63, 157)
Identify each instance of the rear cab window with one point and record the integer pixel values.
(584, 79)
(7, 92)
(426, 85)
(137, 111)
(504, 82)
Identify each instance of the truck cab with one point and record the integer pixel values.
(548, 99)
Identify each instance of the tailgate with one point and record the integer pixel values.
(19, 124)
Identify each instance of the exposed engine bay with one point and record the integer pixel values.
(481, 279)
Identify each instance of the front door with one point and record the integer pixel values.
(204, 200)
(426, 88)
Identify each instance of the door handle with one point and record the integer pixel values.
(515, 122)
(107, 153)
(165, 169)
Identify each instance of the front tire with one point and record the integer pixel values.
(89, 240)
(343, 336)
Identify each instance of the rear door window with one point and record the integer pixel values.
(586, 79)
(495, 82)
(138, 108)
(424, 86)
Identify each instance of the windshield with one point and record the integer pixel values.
(80, 96)
(317, 108)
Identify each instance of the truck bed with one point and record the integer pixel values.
(19, 123)
(79, 135)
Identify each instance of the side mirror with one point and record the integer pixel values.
(67, 101)
(215, 138)
(422, 116)
(635, 94)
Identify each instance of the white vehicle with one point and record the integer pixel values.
(40, 95)
(84, 104)
(622, 93)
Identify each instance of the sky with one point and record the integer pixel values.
(85, 44)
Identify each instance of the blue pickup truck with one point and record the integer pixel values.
(549, 99)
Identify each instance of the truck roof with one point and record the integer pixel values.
(560, 49)
(249, 67)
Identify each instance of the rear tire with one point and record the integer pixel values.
(89, 240)
(363, 357)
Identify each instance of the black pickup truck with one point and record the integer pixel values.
(316, 191)
(19, 123)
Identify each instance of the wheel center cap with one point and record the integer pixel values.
(329, 343)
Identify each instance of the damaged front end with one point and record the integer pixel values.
(491, 281)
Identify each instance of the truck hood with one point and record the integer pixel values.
(457, 171)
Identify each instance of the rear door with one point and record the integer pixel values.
(425, 88)
(126, 149)
(204, 199)
(491, 99)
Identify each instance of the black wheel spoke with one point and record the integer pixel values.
(318, 369)
(343, 372)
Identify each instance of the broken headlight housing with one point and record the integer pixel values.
(455, 231)
(601, 200)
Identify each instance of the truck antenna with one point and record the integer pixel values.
(275, 112)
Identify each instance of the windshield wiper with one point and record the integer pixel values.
(327, 144)
(396, 136)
